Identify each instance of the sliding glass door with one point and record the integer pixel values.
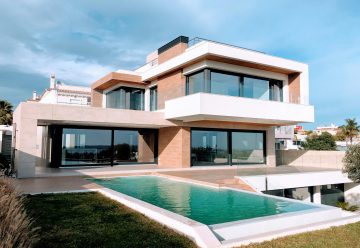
(227, 147)
(80, 146)
(247, 147)
(134, 146)
(209, 147)
(85, 147)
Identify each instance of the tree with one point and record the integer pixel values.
(6, 113)
(350, 129)
(352, 163)
(325, 141)
(340, 136)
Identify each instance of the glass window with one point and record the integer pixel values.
(125, 98)
(225, 84)
(195, 83)
(247, 147)
(209, 147)
(276, 93)
(85, 147)
(134, 146)
(256, 88)
(332, 194)
(153, 98)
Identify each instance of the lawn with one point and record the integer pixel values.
(347, 236)
(91, 220)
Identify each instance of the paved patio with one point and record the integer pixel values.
(63, 180)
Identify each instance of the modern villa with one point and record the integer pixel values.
(194, 103)
(200, 112)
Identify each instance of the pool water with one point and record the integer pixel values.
(201, 203)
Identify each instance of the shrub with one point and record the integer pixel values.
(325, 142)
(347, 207)
(16, 228)
(352, 163)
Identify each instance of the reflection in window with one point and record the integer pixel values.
(153, 98)
(195, 83)
(247, 147)
(276, 90)
(231, 84)
(256, 88)
(209, 147)
(332, 194)
(85, 146)
(134, 146)
(125, 98)
(225, 84)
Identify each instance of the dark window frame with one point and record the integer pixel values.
(153, 106)
(229, 140)
(56, 132)
(206, 83)
(128, 90)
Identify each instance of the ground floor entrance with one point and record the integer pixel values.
(88, 146)
(74, 146)
(227, 147)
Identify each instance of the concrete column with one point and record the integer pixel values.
(317, 194)
(270, 147)
(147, 100)
(25, 137)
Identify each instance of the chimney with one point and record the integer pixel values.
(52, 81)
(34, 97)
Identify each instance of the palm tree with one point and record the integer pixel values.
(350, 129)
(6, 113)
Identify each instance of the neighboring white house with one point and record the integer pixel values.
(332, 129)
(60, 93)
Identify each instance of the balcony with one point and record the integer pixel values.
(205, 106)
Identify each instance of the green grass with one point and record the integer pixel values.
(347, 236)
(91, 220)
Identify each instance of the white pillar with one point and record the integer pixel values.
(270, 147)
(317, 195)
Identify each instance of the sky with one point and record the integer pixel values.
(81, 41)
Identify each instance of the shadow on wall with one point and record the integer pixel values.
(25, 163)
(309, 158)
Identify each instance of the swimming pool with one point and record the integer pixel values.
(204, 204)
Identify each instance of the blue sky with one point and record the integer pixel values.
(81, 41)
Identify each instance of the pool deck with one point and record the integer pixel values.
(73, 179)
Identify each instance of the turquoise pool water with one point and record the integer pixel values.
(203, 204)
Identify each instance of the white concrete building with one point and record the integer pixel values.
(200, 103)
(331, 129)
(60, 93)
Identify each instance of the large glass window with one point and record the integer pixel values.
(232, 84)
(256, 88)
(209, 147)
(225, 84)
(85, 146)
(125, 98)
(332, 194)
(134, 146)
(153, 98)
(247, 147)
(195, 83)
